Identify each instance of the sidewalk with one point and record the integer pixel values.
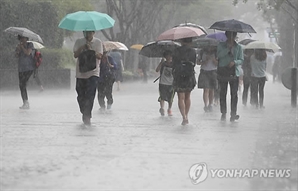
(134, 148)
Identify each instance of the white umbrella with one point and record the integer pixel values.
(37, 45)
(114, 45)
(263, 45)
(24, 32)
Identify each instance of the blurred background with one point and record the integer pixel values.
(137, 22)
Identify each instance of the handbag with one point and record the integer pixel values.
(87, 61)
(225, 74)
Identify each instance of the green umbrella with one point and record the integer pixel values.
(86, 21)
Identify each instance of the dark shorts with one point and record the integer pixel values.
(208, 79)
(166, 93)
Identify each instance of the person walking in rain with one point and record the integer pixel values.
(208, 76)
(143, 66)
(230, 58)
(116, 55)
(276, 68)
(184, 59)
(26, 66)
(258, 77)
(246, 67)
(86, 80)
(166, 91)
(106, 80)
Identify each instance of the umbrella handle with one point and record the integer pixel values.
(156, 79)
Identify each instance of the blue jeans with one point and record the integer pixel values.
(86, 90)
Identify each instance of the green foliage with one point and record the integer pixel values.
(51, 59)
(283, 16)
(57, 58)
(39, 17)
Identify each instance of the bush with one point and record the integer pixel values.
(57, 58)
(51, 59)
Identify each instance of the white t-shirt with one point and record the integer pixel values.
(166, 77)
(96, 45)
(209, 65)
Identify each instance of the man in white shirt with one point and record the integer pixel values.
(86, 82)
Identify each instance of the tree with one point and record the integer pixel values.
(41, 16)
(139, 21)
(282, 14)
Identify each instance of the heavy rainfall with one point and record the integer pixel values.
(148, 95)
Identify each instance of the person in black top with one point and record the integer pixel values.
(246, 67)
(184, 59)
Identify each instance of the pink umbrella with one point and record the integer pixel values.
(180, 32)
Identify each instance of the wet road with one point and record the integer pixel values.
(134, 148)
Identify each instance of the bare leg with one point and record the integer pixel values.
(162, 103)
(211, 96)
(170, 105)
(187, 104)
(181, 104)
(205, 96)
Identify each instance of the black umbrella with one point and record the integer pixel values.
(204, 42)
(233, 25)
(157, 48)
(246, 41)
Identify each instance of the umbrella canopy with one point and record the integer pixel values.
(86, 21)
(24, 32)
(218, 36)
(269, 46)
(113, 45)
(36, 45)
(156, 49)
(192, 25)
(204, 42)
(246, 41)
(137, 46)
(233, 25)
(180, 33)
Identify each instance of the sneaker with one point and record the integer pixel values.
(206, 109)
(170, 112)
(184, 122)
(210, 109)
(109, 106)
(223, 117)
(25, 105)
(234, 117)
(162, 111)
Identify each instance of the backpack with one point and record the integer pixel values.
(87, 61)
(37, 57)
(185, 69)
